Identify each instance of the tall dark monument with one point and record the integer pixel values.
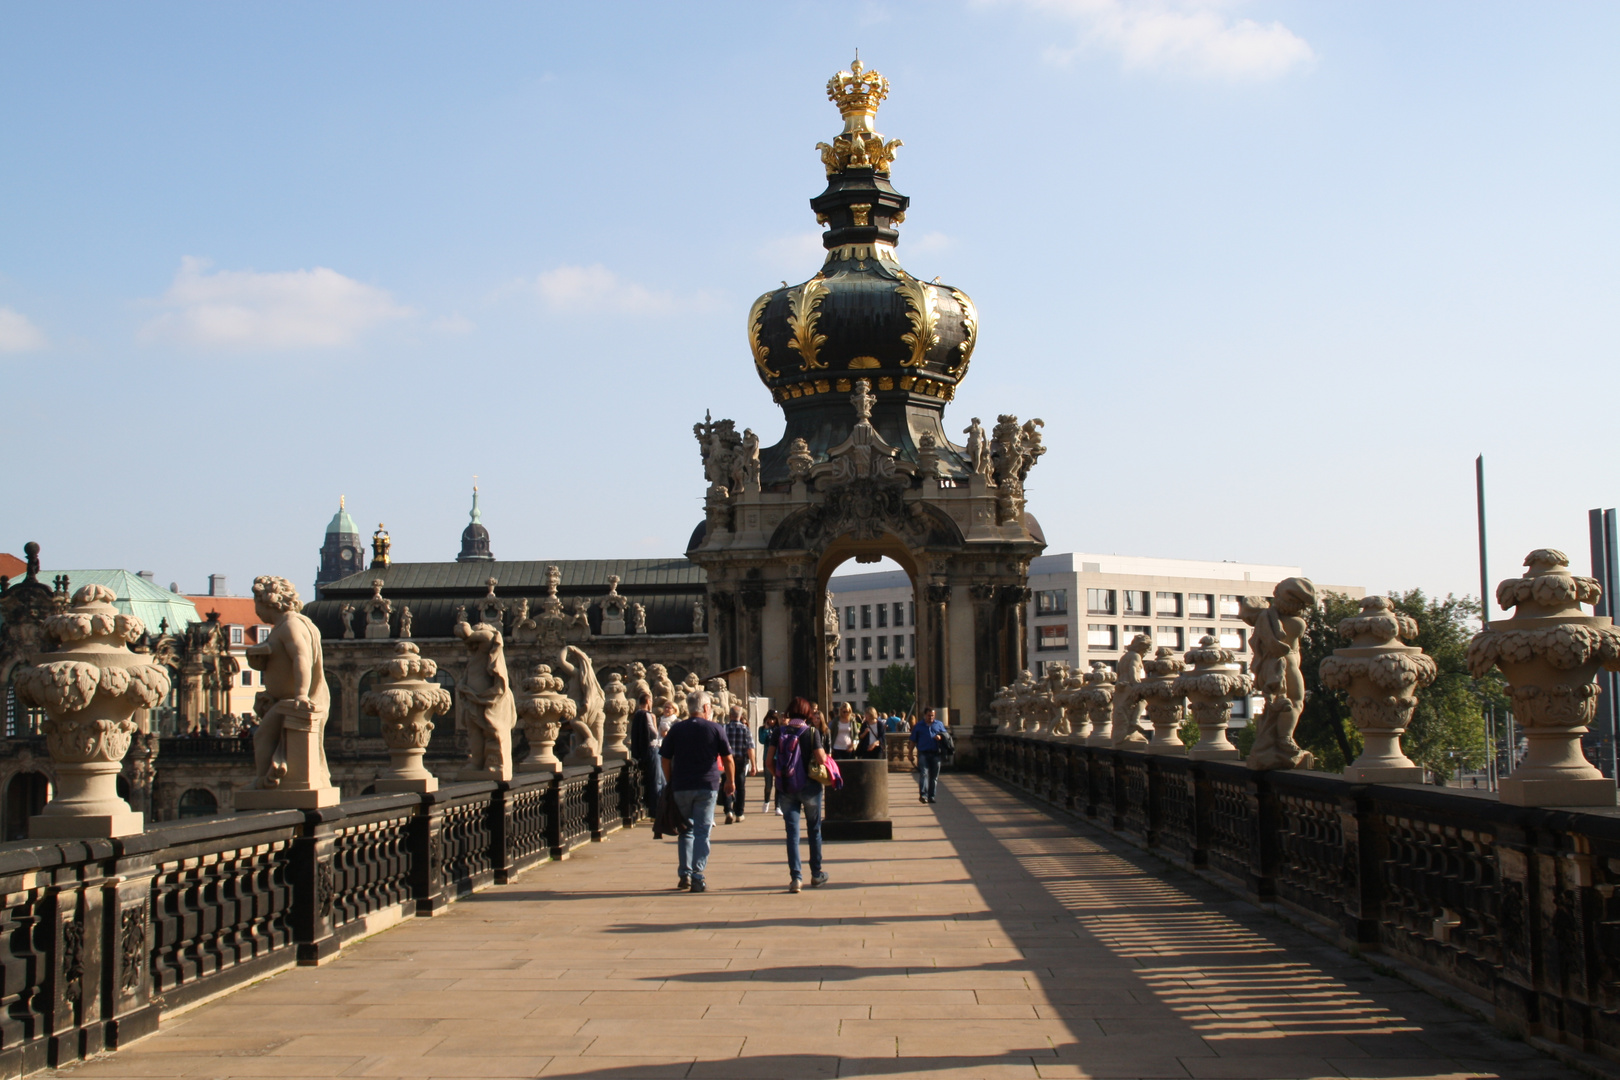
(862, 359)
(342, 553)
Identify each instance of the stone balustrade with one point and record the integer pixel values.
(108, 935)
(1517, 906)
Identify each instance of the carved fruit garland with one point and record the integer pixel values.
(803, 311)
(761, 353)
(970, 326)
(924, 318)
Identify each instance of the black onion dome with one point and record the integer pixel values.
(862, 316)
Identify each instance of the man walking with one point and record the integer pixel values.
(929, 735)
(644, 744)
(697, 764)
(742, 760)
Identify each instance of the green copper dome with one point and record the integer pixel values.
(342, 523)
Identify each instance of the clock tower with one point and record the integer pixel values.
(342, 554)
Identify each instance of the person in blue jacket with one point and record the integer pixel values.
(930, 736)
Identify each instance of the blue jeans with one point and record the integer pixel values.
(807, 800)
(692, 847)
(927, 773)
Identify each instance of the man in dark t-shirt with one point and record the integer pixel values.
(697, 767)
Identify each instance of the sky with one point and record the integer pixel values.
(1272, 273)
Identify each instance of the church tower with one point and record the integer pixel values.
(342, 553)
(475, 538)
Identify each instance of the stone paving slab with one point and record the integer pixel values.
(987, 941)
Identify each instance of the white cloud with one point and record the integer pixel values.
(17, 333)
(453, 324)
(288, 309)
(928, 243)
(595, 288)
(1190, 37)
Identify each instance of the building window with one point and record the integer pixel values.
(866, 648)
(883, 616)
(849, 648)
(1167, 603)
(911, 605)
(913, 644)
(877, 677)
(883, 647)
(1102, 636)
(849, 681)
(1168, 636)
(899, 646)
(899, 613)
(1200, 605)
(1196, 634)
(247, 678)
(1130, 633)
(1052, 602)
(1051, 638)
(1229, 607)
(264, 634)
(866, 679)
(1240, 709)
(1136, 602)
(236, 635)
(1100, 602)
(849, 618)
(1232, 638)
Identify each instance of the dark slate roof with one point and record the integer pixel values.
(580, 577)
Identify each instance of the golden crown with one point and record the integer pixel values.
(857, 90)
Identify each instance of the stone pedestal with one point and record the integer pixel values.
(403, 700)
(1549, 652)
(89, 688)
(861, 810)
(1210, 688)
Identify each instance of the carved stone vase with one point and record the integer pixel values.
(1210, 688)
(89, 688)
(405, 699)
(1549, 652)
(1098, 697)
(1380, 676)
(616, 710)
(1076, 721)
(1165, 710)
(542, 709)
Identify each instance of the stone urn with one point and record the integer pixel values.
(1158, 691)
(90, 688)
(1380, 676)
(1098, 699)
(1076, 722)
(616, 710)
(542, 709)
(1549, 652)
(1210, 688)
(405, 699)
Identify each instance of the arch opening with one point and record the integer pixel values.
(26, 795)
(198, 802)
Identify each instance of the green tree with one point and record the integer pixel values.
(895, 692)
(1448, 726)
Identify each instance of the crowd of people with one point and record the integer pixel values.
(703, 764)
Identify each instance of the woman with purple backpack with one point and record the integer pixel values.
(799, 746)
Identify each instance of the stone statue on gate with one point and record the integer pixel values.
(663, 688)
(1279, 624)
(378, 610)
(1127, 705)
(978, 453)
(289, 750)
(1004, 707)
(638, 618)
(586, 692)
(613, 608)
(697, 616)
(488, 710)
(689, 685)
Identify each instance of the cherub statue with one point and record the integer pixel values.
(488, 711)
(977, 452)
(1127, 705)
(289, 749)
(1279, 624)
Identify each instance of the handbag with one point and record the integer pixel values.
(669, 820)
(827, 775)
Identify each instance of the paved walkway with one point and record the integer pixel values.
(986, 940)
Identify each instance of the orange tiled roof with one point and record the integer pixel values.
(11, 566)
(233, 610)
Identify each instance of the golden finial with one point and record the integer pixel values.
(858, 93)
(340, 502)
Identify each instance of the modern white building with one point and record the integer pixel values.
(1085, 607)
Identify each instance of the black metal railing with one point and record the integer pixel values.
(1518, 905)
(103, 936)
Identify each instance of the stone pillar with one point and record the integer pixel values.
(1014, 641)
(89, 688)
(404, 700)
(752, 596)
(1380, 677)
(1549, 652)
(986, 658)
(1164, 702)
(936, 638)
(1211, 687)
(804, 628)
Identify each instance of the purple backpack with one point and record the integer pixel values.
(791, 772)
